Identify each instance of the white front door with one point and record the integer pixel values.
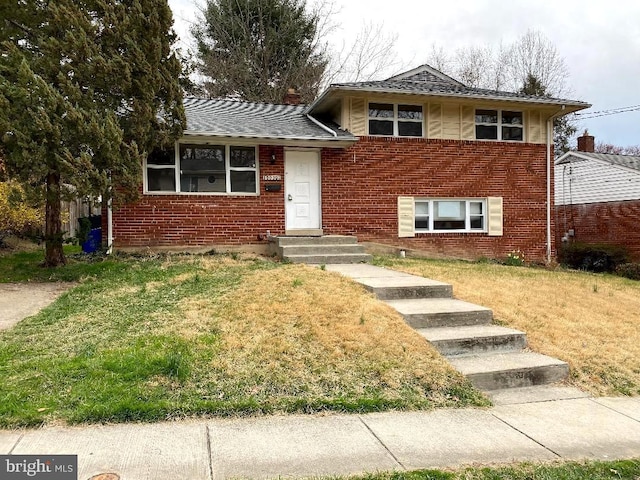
(302, 190)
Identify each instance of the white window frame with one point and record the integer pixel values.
(395, 119)
(468, 215)
(228, 170)
(498, 125)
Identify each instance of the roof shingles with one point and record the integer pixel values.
(255, 120)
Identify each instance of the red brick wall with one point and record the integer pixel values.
(360, 186)
(192, 220)
(615, 223)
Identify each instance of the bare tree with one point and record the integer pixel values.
(371, 56)
(610, 148)
(535, 55)
(506, 67)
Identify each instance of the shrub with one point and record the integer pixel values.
(515, 258)
(629, 270)
(593, 257)
(18, 214)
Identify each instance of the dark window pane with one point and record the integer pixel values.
(380, 127)
(162, 157)
(422, 223)
(243, 157)
(486, 132)
(161, 179)
(206, 182)
(512, 133)
(201, 159)
(410, 111)
(410, 129)
(243, 181)
(448, 224)
(477, 223)
(486, 116)
(381, 110)
(512, 118)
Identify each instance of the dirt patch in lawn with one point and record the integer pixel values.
(21, 300)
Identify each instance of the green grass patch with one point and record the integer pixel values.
(620, 470)
(170, 336)
(26, 266)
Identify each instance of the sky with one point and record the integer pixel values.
(599, 41)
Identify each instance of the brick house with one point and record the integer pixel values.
(418, 161)
(598, 197)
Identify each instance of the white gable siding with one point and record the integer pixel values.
(593, 181)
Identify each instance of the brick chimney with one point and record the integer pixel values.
(292, 97)
(586, 143)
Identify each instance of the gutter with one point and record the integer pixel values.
(321, 125)
(549, 137)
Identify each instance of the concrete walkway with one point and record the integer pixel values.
(302, 446)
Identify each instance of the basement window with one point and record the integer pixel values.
(450, 215)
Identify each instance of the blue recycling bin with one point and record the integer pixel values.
(94, 241)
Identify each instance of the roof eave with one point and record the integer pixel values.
(330, 142)
(570, 105)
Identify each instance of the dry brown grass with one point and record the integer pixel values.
(298, 333)
(591, 321)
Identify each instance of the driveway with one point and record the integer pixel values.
(20, 300)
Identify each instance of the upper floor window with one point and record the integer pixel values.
(499, 125)
(203, 168)
(396, 120)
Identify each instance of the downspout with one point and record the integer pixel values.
(109, 222)
(549, 138)
(321, 125)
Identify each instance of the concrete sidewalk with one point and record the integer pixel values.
(301, 446)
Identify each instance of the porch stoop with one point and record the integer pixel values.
(492, 357)
(327, 249)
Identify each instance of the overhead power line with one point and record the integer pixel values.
(604, 113)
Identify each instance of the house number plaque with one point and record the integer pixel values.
(272, 178)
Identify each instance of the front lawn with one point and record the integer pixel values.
(614, 470)
(591, 321)
(162, 337)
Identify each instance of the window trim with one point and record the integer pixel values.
(176, 166)
(395, 119)
(468, 201)
(498, 125)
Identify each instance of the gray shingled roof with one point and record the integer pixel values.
(426, 80)
(627, 161)
(218, 117)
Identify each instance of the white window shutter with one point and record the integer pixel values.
(406, 217)
(494, 210)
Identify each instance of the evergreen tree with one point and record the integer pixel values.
(257, 49)
(87, 89)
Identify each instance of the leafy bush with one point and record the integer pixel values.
(515, 258)
(629, 270)
(593, 257)
(19, 215)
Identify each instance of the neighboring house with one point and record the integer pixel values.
(598, 197)
(418, 161)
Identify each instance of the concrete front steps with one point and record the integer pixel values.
(491, 356)
(327, 249)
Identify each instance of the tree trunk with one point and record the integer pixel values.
(54, 254)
